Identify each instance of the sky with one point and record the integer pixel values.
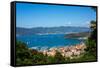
(41, 15)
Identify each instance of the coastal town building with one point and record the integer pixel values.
(67, 51)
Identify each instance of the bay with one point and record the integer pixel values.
(47, 41)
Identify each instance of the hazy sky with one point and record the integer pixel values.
(38, 15)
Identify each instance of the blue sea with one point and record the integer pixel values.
(42, 42)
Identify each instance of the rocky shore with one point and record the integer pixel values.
(66, 51)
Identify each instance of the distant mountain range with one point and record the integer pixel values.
(50, 30)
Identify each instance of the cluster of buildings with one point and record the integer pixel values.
(67, 51)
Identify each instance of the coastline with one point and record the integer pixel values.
(71, 52)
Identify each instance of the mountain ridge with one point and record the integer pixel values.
(42, 30)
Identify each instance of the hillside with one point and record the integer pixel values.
(43, 30)
(78, 35)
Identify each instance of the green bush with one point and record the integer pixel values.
(23, 54)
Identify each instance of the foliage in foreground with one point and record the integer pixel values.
(26, 56)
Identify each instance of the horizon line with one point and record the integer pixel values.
(52, 27)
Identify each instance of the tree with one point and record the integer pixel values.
(59, 58)
(93, 35)
(23, 54)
